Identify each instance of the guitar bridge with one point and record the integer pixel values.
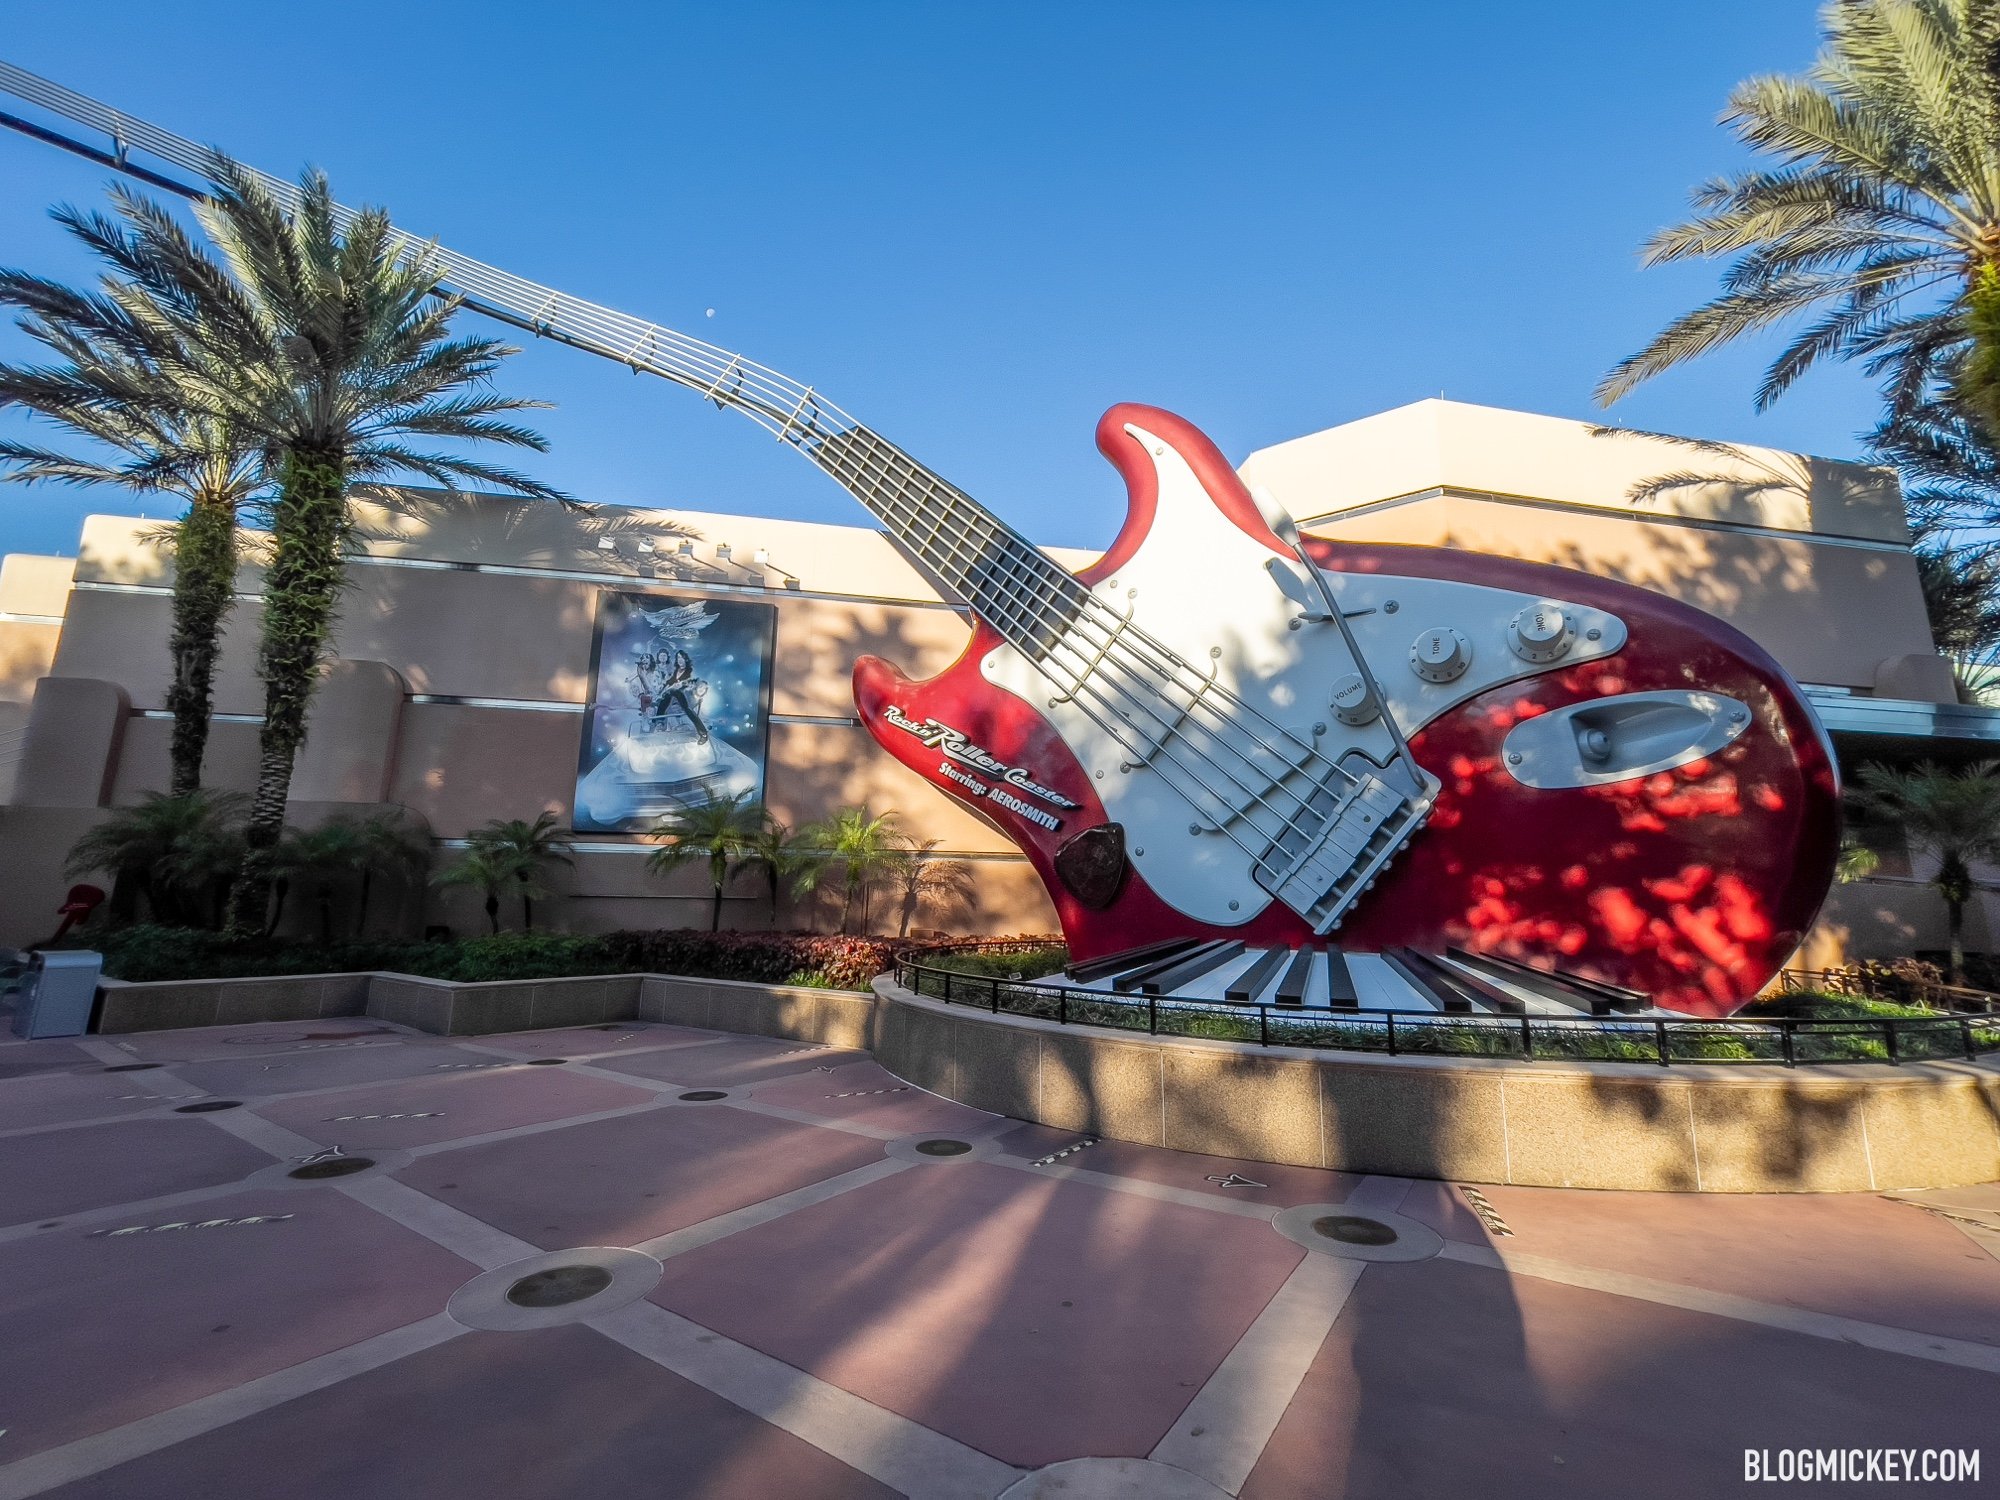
(1331, 852)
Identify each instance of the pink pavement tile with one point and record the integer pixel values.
(592, 1041)
(210, 1043)
(93, 1166)
(1447, 1379)
(447, 1106)
(1259, 1182)
(19, 1059)
(869, 1094)
(104, 1329)
(298, 1070)
(1856, 1255)
(1034, 1319)
(740, 1060)
(51, 1098)
(558, 1414)
(615, 1182)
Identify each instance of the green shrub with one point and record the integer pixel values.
(148, 952)
(1036, 961)
(820, 962)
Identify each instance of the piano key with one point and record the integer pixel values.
(1292, 988)
(1248, 987)
(1191, 968)
(1483, 994)
(1544, 1000)
(1378, 987)
(1340, 993)
(1131, 979)
(1588, 990)
(1440, 996)
(1118, 963)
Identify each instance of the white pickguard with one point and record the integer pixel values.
(1198, 585)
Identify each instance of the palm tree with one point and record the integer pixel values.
(523, 851)
(324, 343)
(717, 831)
(322, 856)
(778, 853)
(172, 851)
(922, 879)
(864, 847)
(394, 844)
(485, 870)
(1952, 816)
(1875, 215)
(159, 443)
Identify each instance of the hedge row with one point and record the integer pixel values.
(847, 963)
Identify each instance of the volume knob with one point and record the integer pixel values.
(1541, 633)
(1353, 703)
(1440, 655)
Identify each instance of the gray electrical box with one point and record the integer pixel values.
(57, 993)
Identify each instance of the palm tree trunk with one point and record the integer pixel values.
(527, 907)
(1955, 926)
(715, 910)
(282, 889)
(493, 911)
(301, 594)
(204, 591)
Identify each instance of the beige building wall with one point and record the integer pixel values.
(462, 666)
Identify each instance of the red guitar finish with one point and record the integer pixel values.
(1693, 885)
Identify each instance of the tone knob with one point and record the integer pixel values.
(1353, 702)
(1440, 655)
(1541, 633)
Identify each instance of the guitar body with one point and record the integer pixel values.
(1692, 883)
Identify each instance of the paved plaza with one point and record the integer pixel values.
(639, 1260)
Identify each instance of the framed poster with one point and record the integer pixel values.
(679, 711)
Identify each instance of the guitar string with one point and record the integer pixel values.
(1171, 731)
(1064, 625)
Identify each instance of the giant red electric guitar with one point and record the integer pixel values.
(1224, 731)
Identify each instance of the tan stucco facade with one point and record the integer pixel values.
(463, 652)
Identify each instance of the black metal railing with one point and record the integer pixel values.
(1660, 1041)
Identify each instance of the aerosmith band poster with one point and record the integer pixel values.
(679, 708)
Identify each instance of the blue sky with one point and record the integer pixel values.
(978, 226)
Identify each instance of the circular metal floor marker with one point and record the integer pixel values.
(944, 1147)
(702, 1096)
(1353, 1232)
(339, 1166)
(1352, 1229)
(562, 1286)
(207, 1106)
(132, 1067)
(546, 1062)
(558, 1286)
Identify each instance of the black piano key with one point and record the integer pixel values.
(1484, 994)
(1248, 985)
(1566, 989)
(1131, 979)
(1450, 1001)
(1340, 993)
(1188, 970)
(1117, 963)
(1292, 988)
